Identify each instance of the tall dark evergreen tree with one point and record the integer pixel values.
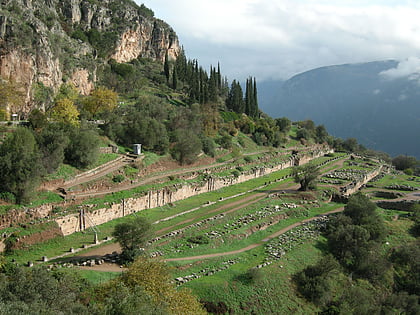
(175, 79)
(235, 101)
(219, 77)
(248, 97)
(166, 67)
(255, 109)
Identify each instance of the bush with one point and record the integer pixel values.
(199, 239)
(236, 173)
(248, 159)
(225, 141)
(118, 178)
(8, 197)
(209, 147)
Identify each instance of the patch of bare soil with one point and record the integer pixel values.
(39, 237)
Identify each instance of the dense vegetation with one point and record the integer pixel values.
(377, 281)
(179, 109)
(144, 289)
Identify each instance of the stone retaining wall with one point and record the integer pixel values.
(85, 219)
(402, 205)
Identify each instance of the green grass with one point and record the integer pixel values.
(272, 292)
(97, 277)
(104, 158)
(150, 158)
(229, 244)
(64, 171)
(60, 245)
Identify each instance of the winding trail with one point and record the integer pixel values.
(232, 206)
(252, 246)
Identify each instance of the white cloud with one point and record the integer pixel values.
(409, 68)
(279, 38)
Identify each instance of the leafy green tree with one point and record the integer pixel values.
(362, 212)
(119, 299)
(39, 291)
(43, 96)
(37, 119)
(403, 162)
(83, 149)
(305, 175)
(53, 141)
(64, 111)
(359, 298)
(68, 91)
(20, 165)
(284, 124)
(303, 133)
(355, 239)
(131, 236)
(321, 134)
(209, 147)
(351, 145)
(100, 100)
(12, 97)
(187, 146)
(406, 264)
(316, 282)
(401, 303)
(154, 278)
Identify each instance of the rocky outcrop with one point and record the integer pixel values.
(55, 41)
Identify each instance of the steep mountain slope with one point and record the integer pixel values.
(354, 100)
(53, 41)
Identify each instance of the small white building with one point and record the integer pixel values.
(137, 149)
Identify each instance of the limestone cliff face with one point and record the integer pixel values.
(56, 41)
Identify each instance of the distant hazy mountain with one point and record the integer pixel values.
(353, 100)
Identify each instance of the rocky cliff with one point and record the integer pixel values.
(56, 41)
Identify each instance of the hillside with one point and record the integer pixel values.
(46, 43)
(221, 211)
(354, 100)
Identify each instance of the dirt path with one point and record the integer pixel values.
(166, 173)
(134, 184)
(231, 206)
(249, 200)
(252, 246)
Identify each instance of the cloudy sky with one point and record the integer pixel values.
(275, 39)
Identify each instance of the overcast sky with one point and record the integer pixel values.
(275, 39)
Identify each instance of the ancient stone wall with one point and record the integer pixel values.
(85, 219)
(402, 205)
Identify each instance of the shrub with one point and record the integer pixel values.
(118, 178)
(199, 239)
(8, 197)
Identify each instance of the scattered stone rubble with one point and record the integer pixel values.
(401, 187)
(279, 246)
(86, 262)
(209, 271)
(245, 220)
(250, 218)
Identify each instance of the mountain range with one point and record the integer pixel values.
(359, 101)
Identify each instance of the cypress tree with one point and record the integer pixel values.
(166, 69)
(219, 77)
(175, 79)
(255, 100)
